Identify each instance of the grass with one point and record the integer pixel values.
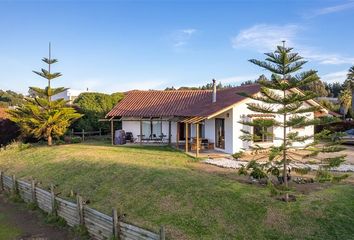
(160, 186)
(6, 230)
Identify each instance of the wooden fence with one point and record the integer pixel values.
(84, 134)
(99, 225)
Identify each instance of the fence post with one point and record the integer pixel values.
(80, 209)
(83, 135)
(1, 181)
(33, 190)
(116, 227)
(14, 187)
(162, 233)
(52, 199)
(100, 132)
(72, 132)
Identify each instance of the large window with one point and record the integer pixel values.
(262, 134)
(151, 128)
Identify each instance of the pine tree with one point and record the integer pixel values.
(41, 116)
(279, 96)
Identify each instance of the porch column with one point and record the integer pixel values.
(112, 132)
(177, 136)
(141, 132)
(197, 135)
(186, 124)
(169, 132)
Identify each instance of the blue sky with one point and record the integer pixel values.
(114, 46)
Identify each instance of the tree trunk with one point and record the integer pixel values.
(285, 170)
(49, 140)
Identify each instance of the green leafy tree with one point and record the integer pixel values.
(95, 106)
(333, 89)
(316, 86)
(280, 97)
(42, 117)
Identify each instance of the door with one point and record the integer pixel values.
(182, 131)
(220, 133)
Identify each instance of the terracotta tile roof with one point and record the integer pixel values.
(181, 103)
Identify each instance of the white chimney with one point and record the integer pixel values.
(214, 91)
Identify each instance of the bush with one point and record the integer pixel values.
(15, 145)
(238, 155)
(9, 131)
(75, 140)
(95, 106)
(242, 171)
(258, 173)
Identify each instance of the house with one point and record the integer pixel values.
(69, 95)
(197, 118)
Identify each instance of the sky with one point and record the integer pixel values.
(111, 46)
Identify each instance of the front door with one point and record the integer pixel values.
(220, 133)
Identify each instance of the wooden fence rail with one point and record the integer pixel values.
(99, 225)
(84, 133)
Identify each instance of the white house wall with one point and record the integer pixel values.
(240, 112)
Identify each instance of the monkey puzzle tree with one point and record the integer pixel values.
(41, 116)
(279, 97)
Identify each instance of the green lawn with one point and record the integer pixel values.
(6, 230)
(157, 185)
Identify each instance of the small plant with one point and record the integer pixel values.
(75, 140)
(257, 170)
(16, 145)
(81, 231)
(59, 142)
(238, 155)
(272, 189)
(55, 220)
(32, 206)
(338, 178)
(323, 175)
(258, 173)
(242, 171)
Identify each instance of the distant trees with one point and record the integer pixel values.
(208, 86)
(333, 89)
(95, 106)
(10, 98)
(42, 117)
(316, 86)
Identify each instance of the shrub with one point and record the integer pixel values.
(75, 140)
(238, 155)
(242, 171)
(258, 173)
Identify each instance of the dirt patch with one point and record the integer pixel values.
(30, 223)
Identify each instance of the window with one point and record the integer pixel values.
(151, 129)
(262, 134)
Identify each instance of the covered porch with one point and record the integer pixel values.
(184, 133)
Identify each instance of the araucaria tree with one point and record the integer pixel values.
(284, 108)
(40, 116)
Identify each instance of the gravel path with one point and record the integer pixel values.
(228, 163)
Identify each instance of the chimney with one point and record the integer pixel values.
(214, 91)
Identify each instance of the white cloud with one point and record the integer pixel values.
(339, 76)
(181, 37)
(332, 9)
(264, 38)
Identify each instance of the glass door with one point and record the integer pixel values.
(220, 133)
